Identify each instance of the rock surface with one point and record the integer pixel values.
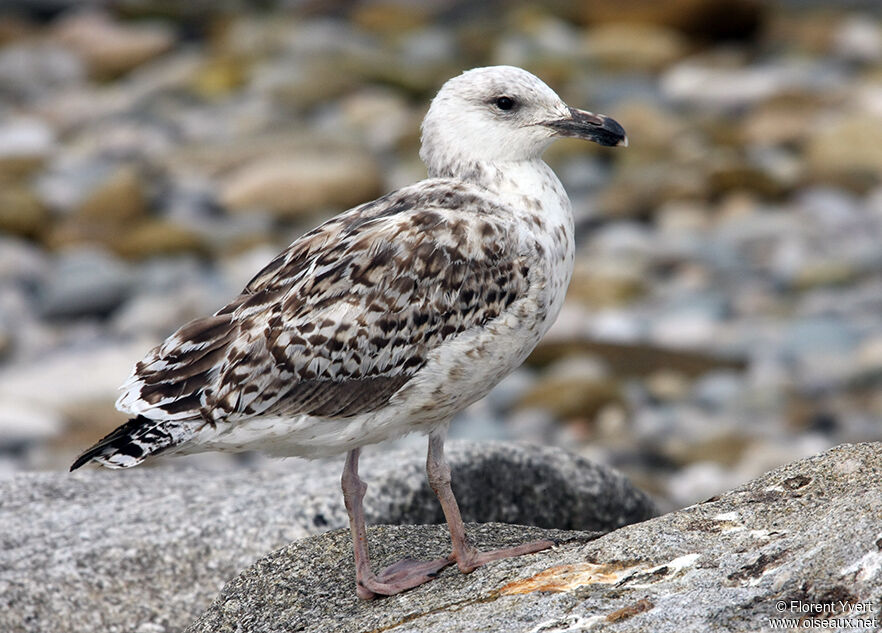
(149, 548)
(800, 542)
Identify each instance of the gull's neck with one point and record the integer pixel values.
(522, 184)
(501, 177)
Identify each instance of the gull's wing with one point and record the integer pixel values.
(345, 316)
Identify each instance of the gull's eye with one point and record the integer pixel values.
(505, 103)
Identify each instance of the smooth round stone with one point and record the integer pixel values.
(25, 137)
(506, 393)
(21, 212)
(697, 482)
(686, 329)
(32, 69)
(635, 47)
(817, 337)
(718, 389)
(85, 283)
(68, 180)
(858, 38)
(618, 325)
(109, 47)
(301, 184)
(23, 423)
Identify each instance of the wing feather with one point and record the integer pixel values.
(345, 316)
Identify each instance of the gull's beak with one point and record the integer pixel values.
(591, 127)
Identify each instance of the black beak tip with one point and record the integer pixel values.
(611, 134)
(592, 127)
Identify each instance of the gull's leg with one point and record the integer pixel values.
(403, 575)
(468, 558)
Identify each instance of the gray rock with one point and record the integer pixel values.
(719, 389)
(112, 551)
(24, 137)
(513, 483)
(32, 69)
(800, 539)
(86, 283)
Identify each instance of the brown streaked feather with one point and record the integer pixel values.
(344, 317)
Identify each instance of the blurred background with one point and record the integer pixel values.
(725, 315)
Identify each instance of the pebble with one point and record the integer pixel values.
(157, 237)
(858, 38)
(381, 118)
(23, 424)
(46, 382)
(118, 198)
(570, 388)
(846, 149)
(25, 143)
(684, 329)
(30, 70)
(633, 47)
(21, 213)
(85, 283)
(109, 47)
(698, 482)
(718, 390)
(290, 186)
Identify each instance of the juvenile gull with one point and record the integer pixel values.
(386, 319)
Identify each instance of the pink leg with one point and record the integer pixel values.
(403, 575)
(467, 557)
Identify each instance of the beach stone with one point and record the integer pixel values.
(603, 283)
(158, 311)
(14, 28)
(157, 237)
(869, 354)
(729, 174)
(780, 120)
(304, 183)
(382, 118)
(628, 46)
(310, 82)
(572, 388)
(21, 212)
(118, 198)
(736, 562)
(25, 143)
(220, 76)
(390, 17)
(22, 424)
(639, 190)
(85, 283)
(110, 47)
(22, 263)
(847, 150)
(31, 69)
(858, 38)
(148, 547)
(45, 381)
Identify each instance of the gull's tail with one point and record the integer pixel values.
(133, 442)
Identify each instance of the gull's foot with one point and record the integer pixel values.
(474, 558)
(401, 576)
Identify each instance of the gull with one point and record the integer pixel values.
(388, 318)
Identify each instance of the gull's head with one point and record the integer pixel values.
(502, 114)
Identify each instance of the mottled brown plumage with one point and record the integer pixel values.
(346, 315)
